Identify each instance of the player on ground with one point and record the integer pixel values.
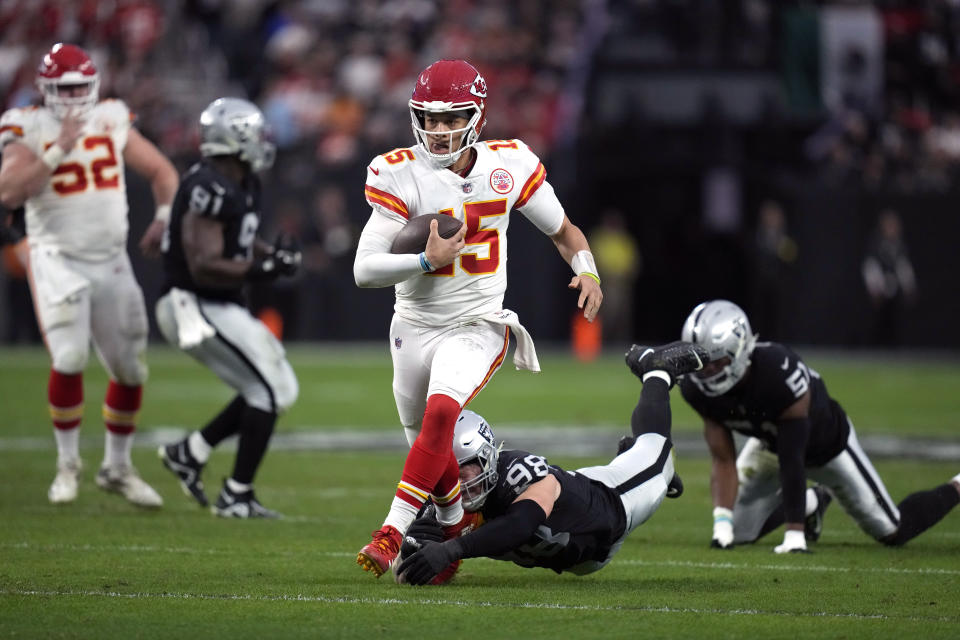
(65, 162)
(210, 254)
(450, 333)
(539, 515)
(796, 430)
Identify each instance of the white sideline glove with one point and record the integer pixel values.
(722, 528)
(793, 542)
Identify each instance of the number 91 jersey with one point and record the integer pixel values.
(506, 175)
(586, 520)
(82, 210)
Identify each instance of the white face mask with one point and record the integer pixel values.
(458, 140)
(60, 105)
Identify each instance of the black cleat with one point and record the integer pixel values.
(675, 486)
(813, 525)
(675, 359)
(177, 458)
(240, 505)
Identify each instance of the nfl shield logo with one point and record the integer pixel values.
(467, 187)
(398, 342)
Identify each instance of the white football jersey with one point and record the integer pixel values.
(507, 175)
(82, 210)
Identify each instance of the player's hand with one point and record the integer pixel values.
(722, 529)
(287, 255)
(794, 541)
(152, 239)
(70, 129)
(442, 251)
(590, 295)
(424, 565)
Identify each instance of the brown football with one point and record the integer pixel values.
(413, 237)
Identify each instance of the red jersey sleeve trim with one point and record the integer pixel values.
(393, 203)
(531, 185)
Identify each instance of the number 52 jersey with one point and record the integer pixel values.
(82, 210)
(403, 184)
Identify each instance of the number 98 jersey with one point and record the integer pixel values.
(82, 210)
(587, 519)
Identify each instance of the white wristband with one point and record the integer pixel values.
(583, 263)
(53, 156)
(163, 213)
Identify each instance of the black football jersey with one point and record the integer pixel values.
(583, 525)
(776, 379)
(206, 191)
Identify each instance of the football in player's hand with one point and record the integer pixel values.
(413, 237)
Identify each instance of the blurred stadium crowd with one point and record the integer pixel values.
(864, 96)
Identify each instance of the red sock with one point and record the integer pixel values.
(65, 395)
(121, 406)
(447, 490)
(429, 456)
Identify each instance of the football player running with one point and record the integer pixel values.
(211, 252)
(538, 515)
(65, 162)
(450, 332)
(795, 431)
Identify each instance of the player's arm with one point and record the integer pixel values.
(202, 239)
(143, 157)
(574, 248)
(374, 264)
(24, 174)
(723, 481)
(496, 537)
(793, 431)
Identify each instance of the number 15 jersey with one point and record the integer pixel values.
(403, 184)
(82, 209)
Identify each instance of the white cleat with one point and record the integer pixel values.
(64, 487)
(126, 481)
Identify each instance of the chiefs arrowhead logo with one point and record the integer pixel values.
(479, 87)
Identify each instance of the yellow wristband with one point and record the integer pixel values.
(592, 275)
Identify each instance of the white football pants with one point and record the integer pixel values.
(457, 361)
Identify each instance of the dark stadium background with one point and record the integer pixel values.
(683, 115)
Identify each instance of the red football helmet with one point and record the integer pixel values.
(447, 86)
(67, 65)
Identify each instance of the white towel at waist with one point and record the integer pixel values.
(192, 328)
(525, 355)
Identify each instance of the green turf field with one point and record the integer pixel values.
(100, 568)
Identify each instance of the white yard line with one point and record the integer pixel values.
(574, 440)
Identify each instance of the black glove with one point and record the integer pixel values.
(422, 530)
(286, 252)
(284, 260)
(424, 565)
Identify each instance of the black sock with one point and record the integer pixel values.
(775, 519)
(224, 424)
(255, 432)
(921, 510)
(652, 413)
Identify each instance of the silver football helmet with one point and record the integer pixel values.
(473, 441)
(236, 127)
(722, 328)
